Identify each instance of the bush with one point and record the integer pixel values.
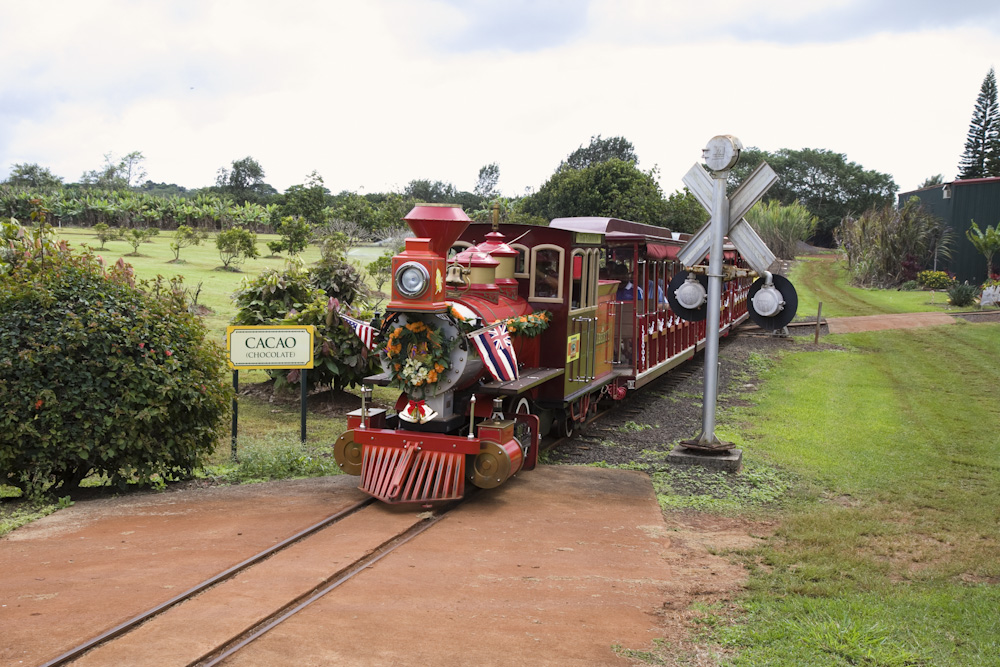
(236, 245)
(935, 279)
(885, 245)
(910, 286)
(962, 294)
(271, 295)
(339, 279)
(288, 297)
(99, 376)
(340, 358)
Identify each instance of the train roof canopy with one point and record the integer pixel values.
(616, 229)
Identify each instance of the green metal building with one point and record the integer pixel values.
(959, 203)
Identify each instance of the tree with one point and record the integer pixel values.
(139, 235)
(601, 150)
(244, 182)
(186, 236)
(486, 184)
(117, 174)
(930, 182)
(235, 246)
(987, 242)
(611, 188)
(306, 201)
(684, 213)
(982, 144)
(431, 192)
(353, 207)
(33, 177)
(295, 233)
(104, 233)
(823, 181)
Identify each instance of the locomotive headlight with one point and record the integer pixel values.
(412, 280)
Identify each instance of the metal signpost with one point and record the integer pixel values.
(270, 347)
(721, 155)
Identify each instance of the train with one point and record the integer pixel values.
(500, 335)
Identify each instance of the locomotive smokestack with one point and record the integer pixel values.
(441, 223)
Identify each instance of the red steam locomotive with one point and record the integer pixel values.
(498, 336)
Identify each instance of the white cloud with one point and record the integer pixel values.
(373, 95)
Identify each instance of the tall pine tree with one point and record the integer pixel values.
(982, 145)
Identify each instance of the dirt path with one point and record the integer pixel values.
(555, 568)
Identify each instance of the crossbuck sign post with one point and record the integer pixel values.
(720, 156)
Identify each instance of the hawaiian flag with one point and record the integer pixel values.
(495, 348)
(364, 331)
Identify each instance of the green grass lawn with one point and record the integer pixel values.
(824, 278)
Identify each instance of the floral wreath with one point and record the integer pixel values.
(528, 325)
(417, 353)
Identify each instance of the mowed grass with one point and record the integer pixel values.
(887, 551)
(824, 278)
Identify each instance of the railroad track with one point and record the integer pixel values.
(212, 621)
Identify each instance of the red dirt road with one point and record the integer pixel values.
(883, 322)
(551, 569)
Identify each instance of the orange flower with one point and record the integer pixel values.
(439, 368)
(432, 377)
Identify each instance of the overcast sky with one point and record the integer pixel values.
(372, 94)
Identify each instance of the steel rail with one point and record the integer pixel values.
(128, 625)
(221, 653)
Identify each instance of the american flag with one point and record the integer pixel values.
(365, 331)
(495, 348)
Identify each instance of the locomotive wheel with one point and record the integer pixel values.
(521, 407)
(566, 425)
(348, 454)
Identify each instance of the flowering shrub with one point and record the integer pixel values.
(416, 355)
(935, 279)
(99, 375)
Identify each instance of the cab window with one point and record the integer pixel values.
(546, 274)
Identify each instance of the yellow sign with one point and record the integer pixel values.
(573, 348)
(270, 346)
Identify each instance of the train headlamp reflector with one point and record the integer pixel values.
(412, 280)
(691, 294)
(768, 301)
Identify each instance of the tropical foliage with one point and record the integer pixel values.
(986, 241)
(782, 227)
(885, 246)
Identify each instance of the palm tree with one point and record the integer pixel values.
(987, 242)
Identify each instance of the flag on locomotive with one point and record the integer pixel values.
(364, 331)
(498, 355)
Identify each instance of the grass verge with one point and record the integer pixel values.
(889, 557)
(824, 278)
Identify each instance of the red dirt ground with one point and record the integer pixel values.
(552, 569)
